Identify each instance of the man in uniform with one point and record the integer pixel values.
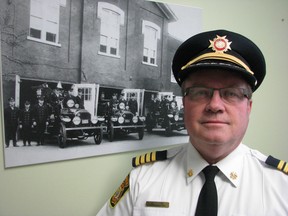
(56, 100)
(214, 173)
(113, 104)
(80, 99)
(69, 97)
(164, 105)
(11, 118)
(122, 99)
(132, 103)
(173, 104)
(26, 123)
(41, 119)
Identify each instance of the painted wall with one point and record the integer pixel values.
(80, 187)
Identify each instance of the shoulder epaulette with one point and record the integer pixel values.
(271, 161)
(278, 164)
(154, 156)
(149, 157)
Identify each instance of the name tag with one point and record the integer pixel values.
(157, 204)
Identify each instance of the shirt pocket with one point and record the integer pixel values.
(151, 211)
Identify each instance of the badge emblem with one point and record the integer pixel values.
(220, 44)
(233, 175)
(120, 192)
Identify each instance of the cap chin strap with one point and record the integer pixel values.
(218, 56)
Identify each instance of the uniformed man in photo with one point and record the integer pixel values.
(56, 100)
(164, 105)
(214, 173)
(133, 104)
(174, 104)
(80, 99)
(40, 120)
(26, 123)
(154, 105)
(113, 104)
(69, 97)
(11, 119)
(122, 99)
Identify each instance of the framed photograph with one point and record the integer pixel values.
(89, 78)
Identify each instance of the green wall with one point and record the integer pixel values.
(80, 187)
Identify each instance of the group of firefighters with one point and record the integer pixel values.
(50, 102)
(36, 117)
(115, 102)
(162, 106)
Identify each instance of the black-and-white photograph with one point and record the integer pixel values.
(86, 78)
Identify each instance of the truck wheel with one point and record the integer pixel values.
(98, 136)
(62, 136)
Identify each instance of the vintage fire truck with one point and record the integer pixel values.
(164, 113)
(125, 116)
(70, 122)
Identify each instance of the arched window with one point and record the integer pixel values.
(151, 34)
(44, 20)
(112, 18)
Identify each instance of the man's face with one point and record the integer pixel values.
(12, 103)
(215, 127)
(41, 102)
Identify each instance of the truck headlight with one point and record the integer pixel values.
(170, 115)
(94, 120)
(65, 119)
(176, 117)
(121, 106)
(121, 120)
(76, 120)
(135, 119)
(70, 103)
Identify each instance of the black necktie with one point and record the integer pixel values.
(208, 202)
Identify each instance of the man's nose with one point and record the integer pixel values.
(216, 103)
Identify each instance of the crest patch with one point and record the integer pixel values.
(120, 192)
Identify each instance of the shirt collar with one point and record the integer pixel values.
(231, 166)
(195, 163)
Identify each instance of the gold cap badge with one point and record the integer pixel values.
(220, 44)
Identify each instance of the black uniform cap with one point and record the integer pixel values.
(220, 49)
(11, 99)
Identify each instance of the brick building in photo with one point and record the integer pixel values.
(114, 44)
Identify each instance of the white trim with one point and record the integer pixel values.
(42, 41)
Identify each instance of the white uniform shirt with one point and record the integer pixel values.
(245, 186)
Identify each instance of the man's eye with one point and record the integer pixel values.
(201, 93)
(230, 93)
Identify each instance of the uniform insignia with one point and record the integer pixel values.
(220, 44)
(278, 164)
(155, 156)
(149, 158)
(271, 161)
(120, 192)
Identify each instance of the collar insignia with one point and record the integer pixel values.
(220, 44)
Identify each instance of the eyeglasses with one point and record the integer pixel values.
(230, 95)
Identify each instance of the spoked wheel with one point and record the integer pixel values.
(62, 136)
(98, 136)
